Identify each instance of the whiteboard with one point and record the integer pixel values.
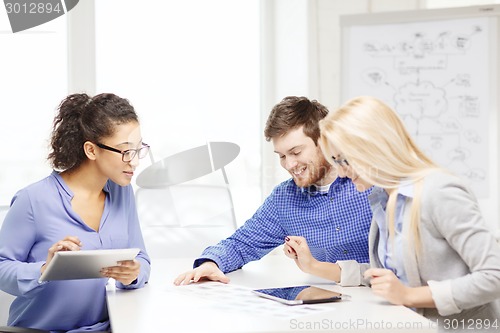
(439, 70)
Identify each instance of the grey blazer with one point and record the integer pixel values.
(460, 258)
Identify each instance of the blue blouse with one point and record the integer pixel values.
(335, 225)
(40, 215)
(389, 251)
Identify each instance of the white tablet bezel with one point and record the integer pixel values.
(84, 264)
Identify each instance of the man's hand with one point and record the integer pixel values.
(208, 270)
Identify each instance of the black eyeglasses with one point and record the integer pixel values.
(129, 154)
(340, 162)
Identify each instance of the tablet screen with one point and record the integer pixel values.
(300, 294)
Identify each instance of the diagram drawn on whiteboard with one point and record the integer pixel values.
(435, 75)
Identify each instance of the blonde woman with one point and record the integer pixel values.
(430, 248)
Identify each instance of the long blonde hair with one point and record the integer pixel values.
(375, 142)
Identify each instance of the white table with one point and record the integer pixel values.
(161, 306)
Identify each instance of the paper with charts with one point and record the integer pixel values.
(230, 297)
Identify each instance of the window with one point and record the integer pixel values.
(191, 70)
(34, 80)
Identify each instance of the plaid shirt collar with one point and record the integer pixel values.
(315, 189)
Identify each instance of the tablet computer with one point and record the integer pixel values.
(301, 295)
(84, 264)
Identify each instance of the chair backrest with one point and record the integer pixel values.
(182, 220)
(9, 329)
(5, 302)
(5, 299)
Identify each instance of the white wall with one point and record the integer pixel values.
(287, 68)
(33, 67)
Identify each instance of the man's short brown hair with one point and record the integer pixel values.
(293, 112)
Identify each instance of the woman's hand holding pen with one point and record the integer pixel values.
(69, 243)
(296, 248)
(386, 284)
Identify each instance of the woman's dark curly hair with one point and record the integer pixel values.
(82, 118)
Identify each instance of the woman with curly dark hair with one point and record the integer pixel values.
(86, 203)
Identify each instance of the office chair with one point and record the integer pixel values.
(180, 216)
(12, 329)
(5, 302)
(182, 220)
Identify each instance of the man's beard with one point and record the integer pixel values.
(315, 172)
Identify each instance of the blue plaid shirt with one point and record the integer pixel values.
(335, 225)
